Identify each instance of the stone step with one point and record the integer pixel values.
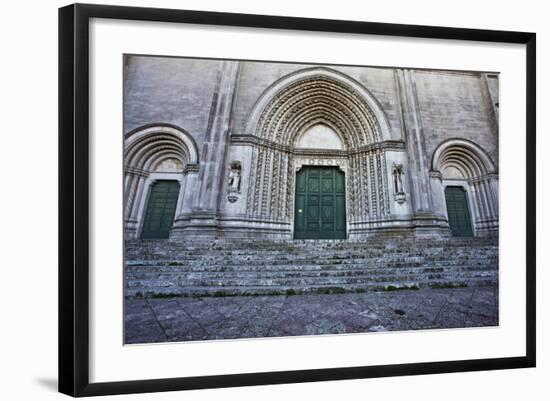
(412, 250)
(253, 279)
(258, 242)
(236, 251)
(157, 268)
(207, 264)
(312, 255)
(298, 289)
(316, 247)
(299, 272)
(201, 280)
(311, 266)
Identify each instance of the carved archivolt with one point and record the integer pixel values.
(319, 97)
(159, 148)
(463, 158)
(146, 148)
(305, 103)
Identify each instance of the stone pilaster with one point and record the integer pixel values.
(491, 103)
(208, 184)
(422, 203)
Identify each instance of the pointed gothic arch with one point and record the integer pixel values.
(291, 106)
(292, 102)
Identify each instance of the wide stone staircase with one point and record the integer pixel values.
(159, 268)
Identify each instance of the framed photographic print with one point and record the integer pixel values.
(250, 199)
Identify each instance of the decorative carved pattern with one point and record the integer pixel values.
(320, 97)
(276, 184)
(373, 188)
(191, 168)
(384, 194)
(364, 187)
(266, 184)
(291, 176)
(356, 195)
(252, 182)
(255, 210)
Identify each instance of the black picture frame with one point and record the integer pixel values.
(74, 194)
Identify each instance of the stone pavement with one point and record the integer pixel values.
(211, 318)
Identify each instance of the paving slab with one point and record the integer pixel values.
(232, 317)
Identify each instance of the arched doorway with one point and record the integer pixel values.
(161, 208)
(458, 211)
(159, 162)
(320, 203)
(468, 181)
(318, 117)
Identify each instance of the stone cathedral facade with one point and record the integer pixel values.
(238, 149)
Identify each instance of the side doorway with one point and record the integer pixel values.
(160, 210)
(458, 211)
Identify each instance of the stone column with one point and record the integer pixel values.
(133, 193)
(438, 198)
(138, 198)
(493, 188)
(188, 192)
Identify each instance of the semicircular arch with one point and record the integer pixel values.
(148, 146)
(464, 156)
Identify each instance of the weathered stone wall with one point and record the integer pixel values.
(170, 91)
(213, 102)
(453, 105)
(256, 77)
(179, 91)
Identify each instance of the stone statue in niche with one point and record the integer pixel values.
(399, 193)
(234, 183)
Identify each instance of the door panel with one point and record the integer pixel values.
(161, 208)
(458, 212)
(320, 211)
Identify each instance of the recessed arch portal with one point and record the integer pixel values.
(462, 163)
(154, 153)
(333, 120)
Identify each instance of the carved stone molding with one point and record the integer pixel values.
(191, 168)
(341, 163)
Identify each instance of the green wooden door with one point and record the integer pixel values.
(458, 212)
(161, 207)
(320, 206)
